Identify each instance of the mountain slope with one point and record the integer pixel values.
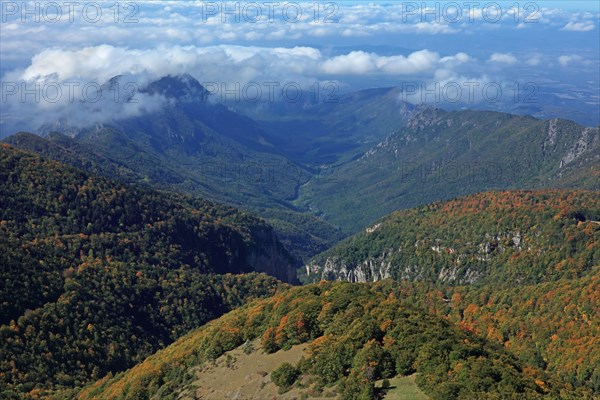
(302, 233)
(43, 198)
(522, 237)
(97, 275)
(67, 150)
(439, 155)
(198, 146)
(553, 325)
(356, 334)
(529, 260)
(210, 147)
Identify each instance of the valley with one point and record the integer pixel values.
(478, 230)
(350, 200)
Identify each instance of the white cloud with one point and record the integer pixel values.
(585, 26)
(565, 60)
(72, 104)
(534, 60)
(503, 58)
(179, 23)
(171, 37)
(230, 63)
(418, 63)
(223, 64)
(356, 62)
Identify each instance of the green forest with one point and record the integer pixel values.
(113, 291)
(97, 276)
(521, 237)
(357, 334)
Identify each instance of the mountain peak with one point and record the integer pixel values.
(178, 86)
(424, 116)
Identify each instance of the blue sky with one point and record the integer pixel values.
(589, 5)
(554, 44)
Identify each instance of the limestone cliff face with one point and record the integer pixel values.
(336, 269)
(465, 267)
(373, 270)
(588, 139)
(269, 256)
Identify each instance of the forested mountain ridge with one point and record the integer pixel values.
(521, 237)
(302, 233)
(529, 263)
(194, 145)
(303, 168)
(356, 334)
(111, 293)
(97, 275)
(66, 150)
(44, 199)
(197, 145)
(553, 325)
(438, 155)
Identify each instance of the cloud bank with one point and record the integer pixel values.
(84, 70)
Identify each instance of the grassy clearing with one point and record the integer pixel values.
(403, 388)
(238, 375)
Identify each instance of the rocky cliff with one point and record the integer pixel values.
(520, 237)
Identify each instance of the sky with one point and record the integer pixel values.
(542, 56)
(587, 5)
